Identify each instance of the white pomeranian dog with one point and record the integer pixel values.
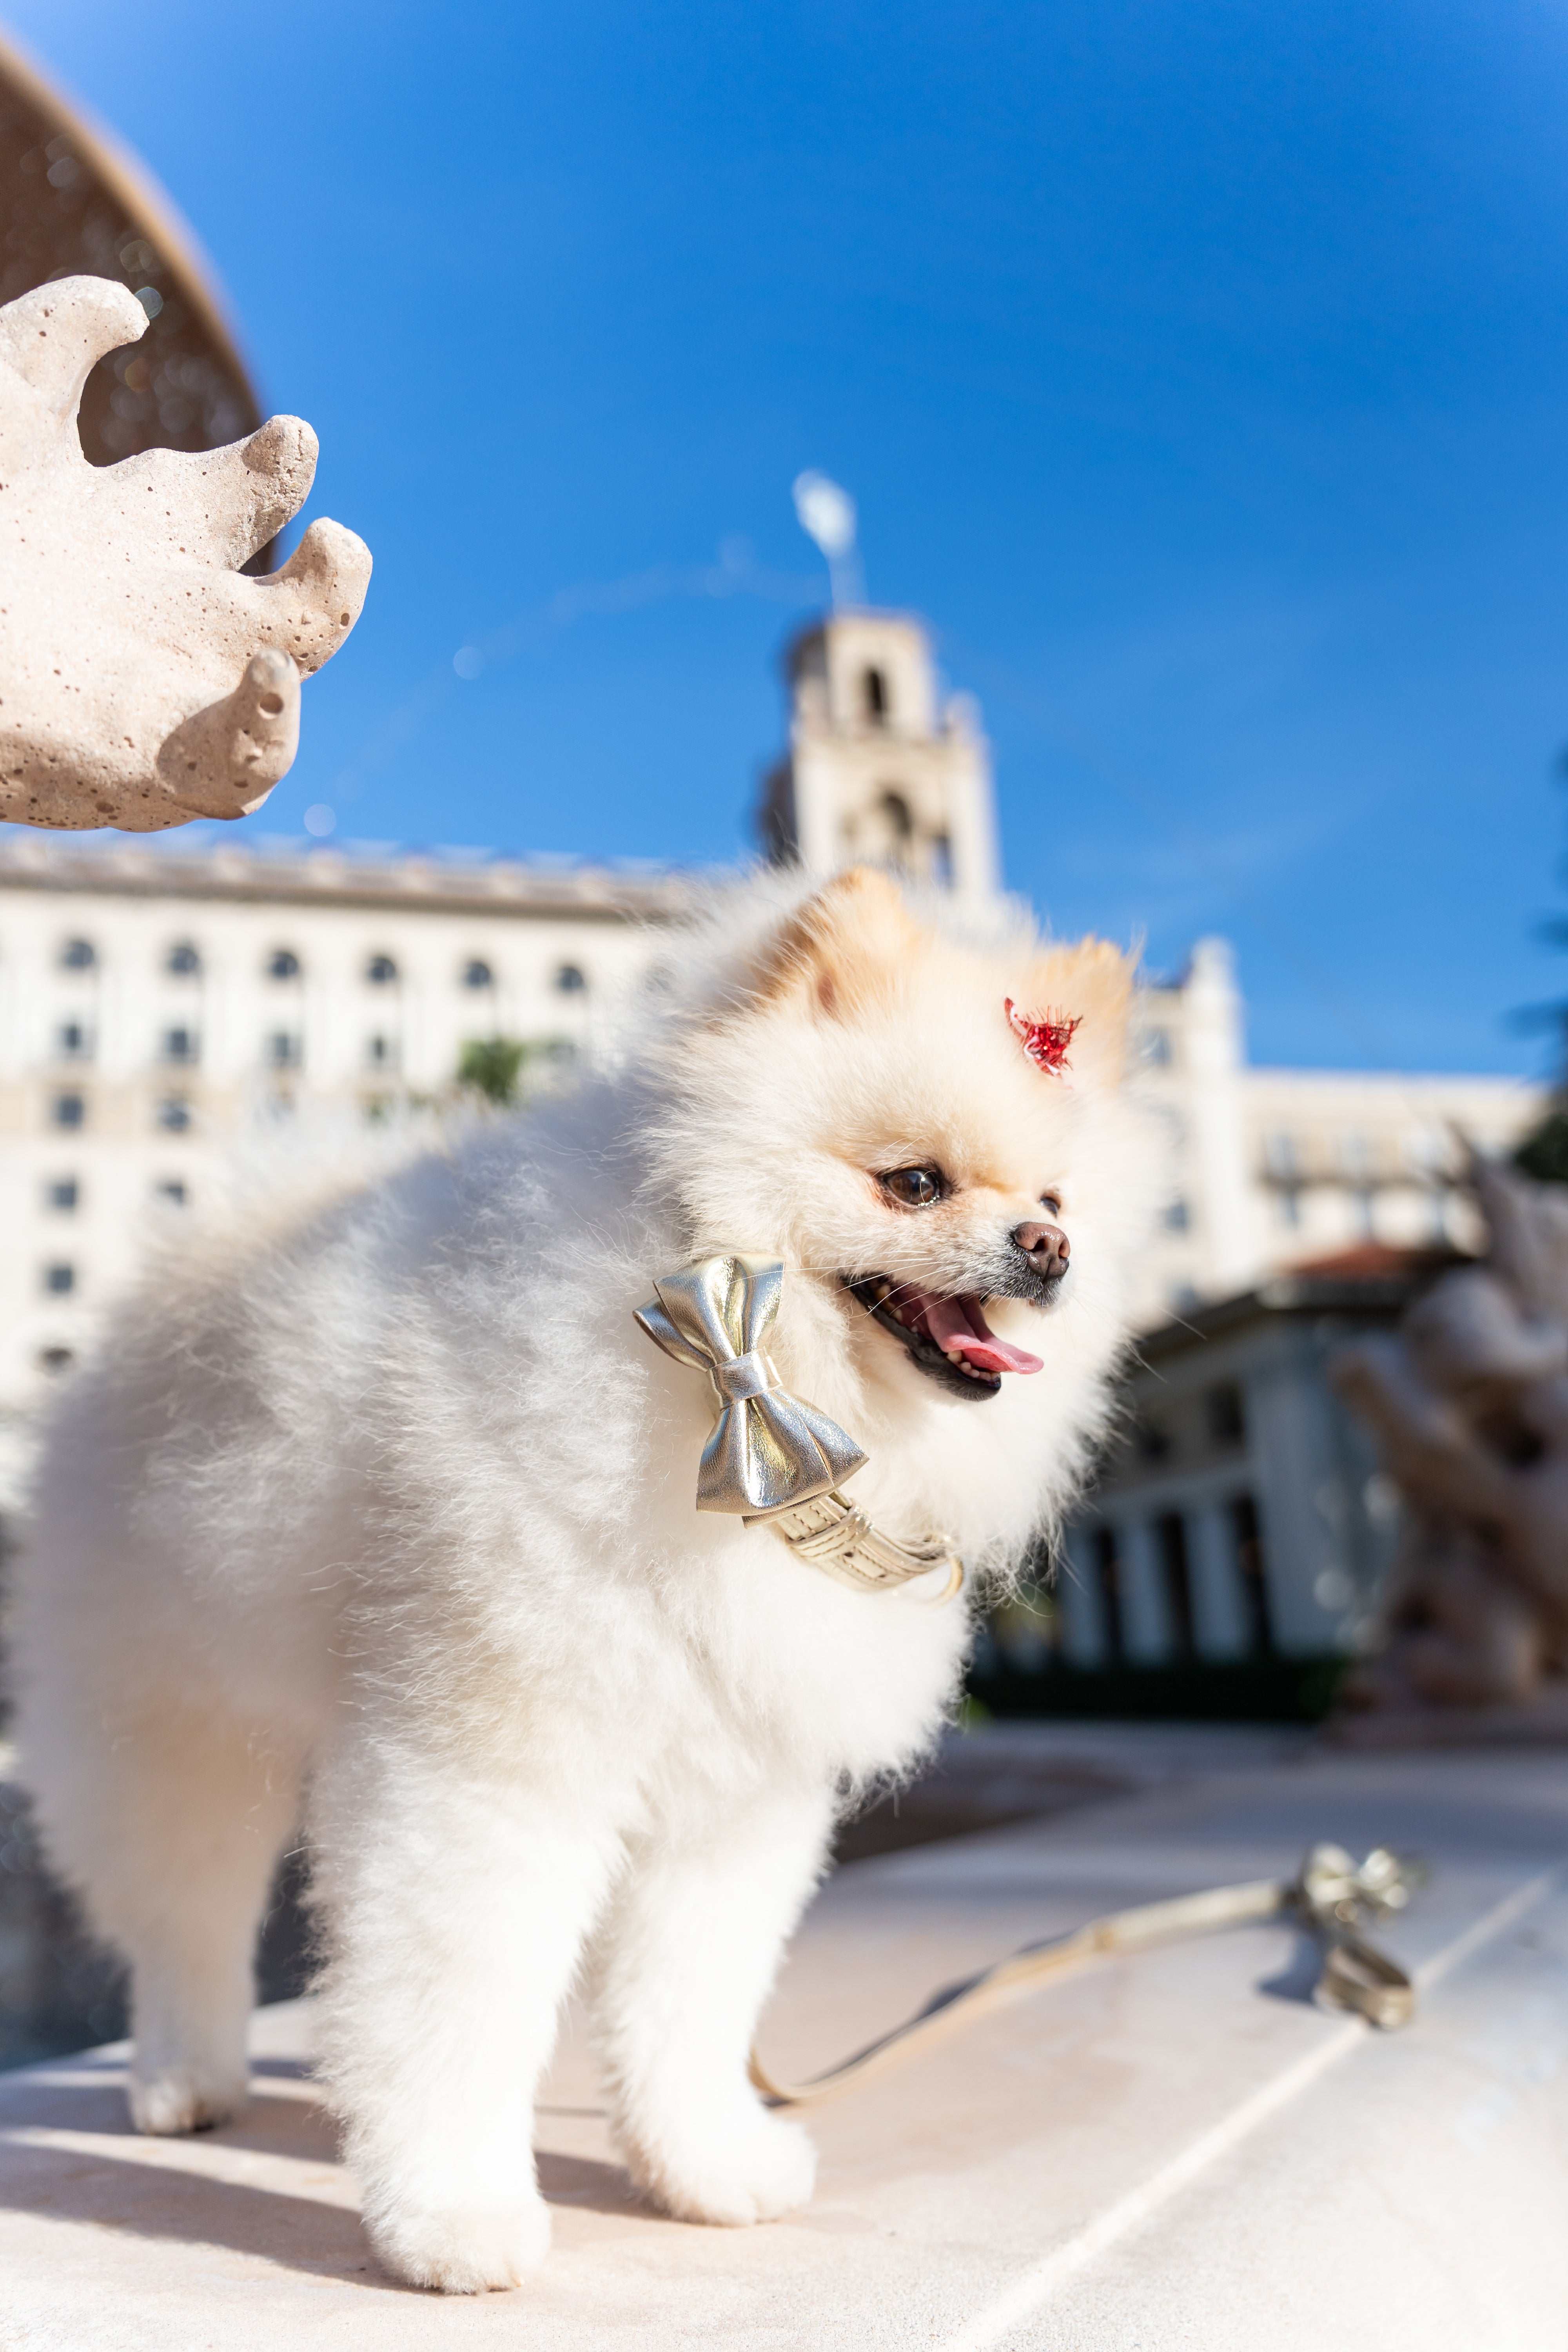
(382, 1518)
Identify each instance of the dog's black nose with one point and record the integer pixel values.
(1047, 1247)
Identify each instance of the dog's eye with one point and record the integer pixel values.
(914, 1188)
(1052, 1202)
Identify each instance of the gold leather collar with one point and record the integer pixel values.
(771, 1459)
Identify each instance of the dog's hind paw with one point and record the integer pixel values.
(759, 2169)
(467, 2250)
(179, 2099)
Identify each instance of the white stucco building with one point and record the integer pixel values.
(1243, 1515)
(1276, 1168)
(880, 766)
(153, 997)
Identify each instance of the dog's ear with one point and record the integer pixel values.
(843, 946)
(1091, 982)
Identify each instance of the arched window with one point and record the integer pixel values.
(283, 964)
(894, 808)
(570, 980)
(183, 960)
(478, 974)
(874, 688)
(77, 955)
(381, 972)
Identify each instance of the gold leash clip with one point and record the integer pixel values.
(1330, 1896)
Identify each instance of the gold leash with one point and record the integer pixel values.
(1330, 1897)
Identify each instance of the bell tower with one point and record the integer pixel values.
(875, 772)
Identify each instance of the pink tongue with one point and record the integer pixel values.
(958, 1326)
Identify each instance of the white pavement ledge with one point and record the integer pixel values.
(1175, 2150)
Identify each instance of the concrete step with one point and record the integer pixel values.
(1177, 2150)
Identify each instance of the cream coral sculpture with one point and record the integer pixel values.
(144, 680)
(1468, 1402)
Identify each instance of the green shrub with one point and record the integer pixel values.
(492, 1067)
(1544, 1154)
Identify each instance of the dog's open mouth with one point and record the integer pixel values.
(949, 1339)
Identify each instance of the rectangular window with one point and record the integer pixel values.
(1223, 1412)
(1247, 1539)
(69, 1111)
(1108, 1576)
(285, 1049)
(1282, 1158)
(59, 1281)
(1428, 1150)
(1175, 1575)
(73, 1041)
(181, 1046)
(173, 1115)
(63, 1195)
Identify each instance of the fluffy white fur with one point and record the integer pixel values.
(382, 1517)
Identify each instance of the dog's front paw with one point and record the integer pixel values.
(466, 2249)
(181, 2099)
(755, 2170)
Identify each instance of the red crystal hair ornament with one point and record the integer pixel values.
(1045, 1042)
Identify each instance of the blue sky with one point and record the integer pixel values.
(1200, 369)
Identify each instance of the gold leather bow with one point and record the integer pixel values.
(769, 1450)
